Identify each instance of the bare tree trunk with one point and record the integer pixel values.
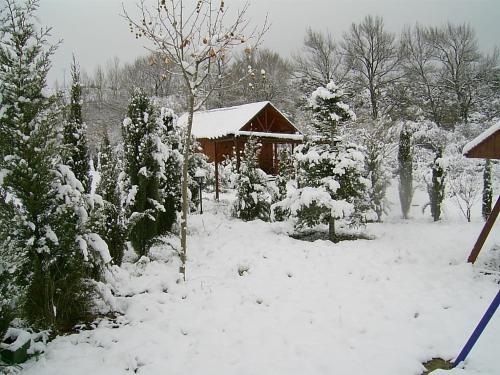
(184, 187)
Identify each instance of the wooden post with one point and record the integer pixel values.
(216, 172)
(484, 233)
(275, 158)
(237, 155)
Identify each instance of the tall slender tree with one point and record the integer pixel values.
(112, 226)
(76, 155)
(139, 137)
(405, 170)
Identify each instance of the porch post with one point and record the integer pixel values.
(216, 172)
(237, 155)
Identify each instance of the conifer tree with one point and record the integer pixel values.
(329, 176)
(253, 199)
(143, 166)
(329, 111)
(112, 227)
(76, 155)
(41, 200)
(487, 190)
(170, 170)
(405, 160)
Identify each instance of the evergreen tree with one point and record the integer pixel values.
(436, 188)
(487, 190)
(253, 200)
(329, 111)
(41, 200)
(111, 226)
(331, 186)
(170, 170)
(286, 174)
(330, 182)
(150, 171)
(405, 170)
(76, 155)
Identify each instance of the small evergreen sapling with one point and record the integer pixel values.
(253, 199)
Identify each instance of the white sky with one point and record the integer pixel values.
(95, 32)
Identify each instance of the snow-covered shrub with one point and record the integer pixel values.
(284, 182)
(253, 197)
(465, 183)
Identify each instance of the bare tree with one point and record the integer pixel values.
(270, 79)
(319, 61)
(373, 55)
(455, 48)
(422, 74)
(446, 74)
(193, 40)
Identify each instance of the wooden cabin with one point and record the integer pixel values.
(224, 131)
(486, 145)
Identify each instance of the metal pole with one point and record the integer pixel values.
(479, 329)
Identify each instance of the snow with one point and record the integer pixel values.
(293, 137)
(98, 244)
(221, 122)
(481, 137)
(378, 307)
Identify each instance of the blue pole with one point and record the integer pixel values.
(479, 329)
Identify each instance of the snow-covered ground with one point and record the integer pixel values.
(259, 302)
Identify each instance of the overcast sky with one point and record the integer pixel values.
(95, 32)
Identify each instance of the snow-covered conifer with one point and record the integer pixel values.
(487, 190)
(76, 154)
(109, 215)
(329, 111)
(142, 169)
(42, 207)
(253, 199)
(405, 169)
(170, 162)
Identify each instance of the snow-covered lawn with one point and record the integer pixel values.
(375, 307)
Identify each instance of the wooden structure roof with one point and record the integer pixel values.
(261, 119)
(486, 145)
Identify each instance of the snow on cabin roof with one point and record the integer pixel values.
(481, 137)
(216, 123)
